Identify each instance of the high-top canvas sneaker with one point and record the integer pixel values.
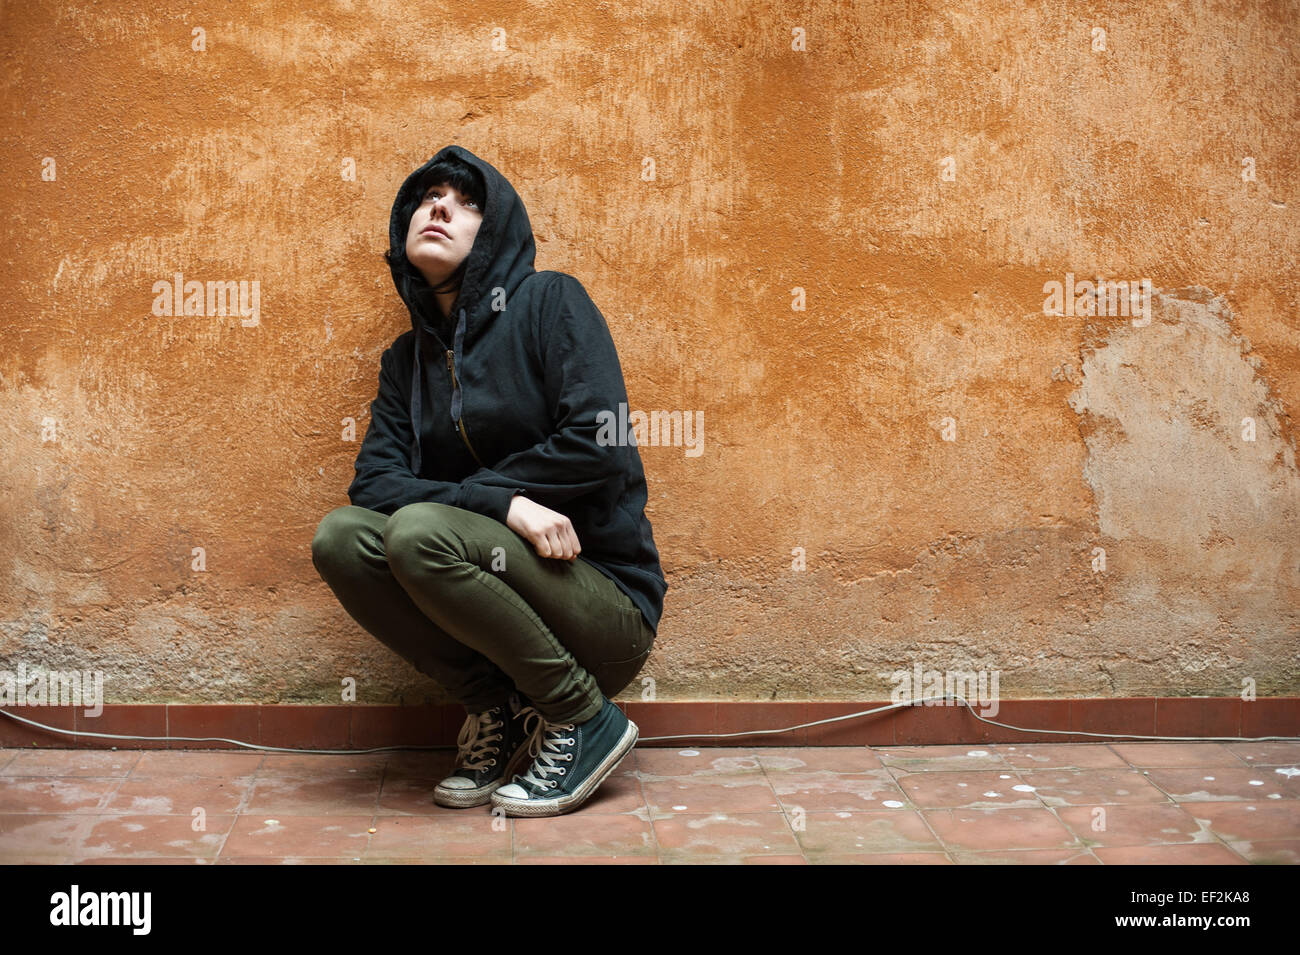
(492, 747)
(569, 762)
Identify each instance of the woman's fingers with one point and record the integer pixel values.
(550, 532)
(557, 542)
(563, 540)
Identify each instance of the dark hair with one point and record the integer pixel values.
(465, 179)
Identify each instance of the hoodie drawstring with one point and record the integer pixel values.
(457, 344)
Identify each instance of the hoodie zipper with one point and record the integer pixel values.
(460, 422)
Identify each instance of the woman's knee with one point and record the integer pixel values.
(416, 530)
(336, 537)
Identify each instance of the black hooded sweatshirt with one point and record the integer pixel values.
(509, 404)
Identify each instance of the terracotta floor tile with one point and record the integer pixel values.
(745, 792)
(897, 830)
(1269, 851)
(403, 794)
(72, 762)
(439, 860)
(1092, 787)
(179, 794)
(143, 860)
(1226, 783)
(34, 860)
(1206, 854)
(1248, 821)
(974, 829)
(686, 804)
(450, 833)
(916, 759)
(689, 858)
(966, 790)
(618, 793)
(306, 837)
(577, 834)
(36, 835)
(1060, 756)
(725, 834)
(814, 759)
(320, 764)
(55, 794)
(436, 763)
(586, 860)
(276, 860)
(1134, 825)
(826, 790)
(1168, 755)
(161, 763)
(705, 761)
(1266, 754)
(879, 858)
(1027, 857)
(128, 836)
(321, 794)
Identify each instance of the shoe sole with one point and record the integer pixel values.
(563, 804)
(469, 798)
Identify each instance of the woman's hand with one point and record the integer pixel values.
(550, 532)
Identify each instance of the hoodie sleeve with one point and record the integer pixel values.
(583, 378)
(384, 481)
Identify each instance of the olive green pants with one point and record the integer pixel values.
(470, 603)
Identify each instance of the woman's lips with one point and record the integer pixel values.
(437, 232)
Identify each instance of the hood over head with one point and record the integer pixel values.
(500, 258)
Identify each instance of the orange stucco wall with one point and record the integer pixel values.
(825, 230)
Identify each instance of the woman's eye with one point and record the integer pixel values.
(434, 193)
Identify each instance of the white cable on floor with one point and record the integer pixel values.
(788, 729)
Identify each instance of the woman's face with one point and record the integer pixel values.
(442, 232)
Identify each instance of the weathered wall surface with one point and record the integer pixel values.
(921, 465)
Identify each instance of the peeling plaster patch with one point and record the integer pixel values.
(1162, 408)
(1198, 523)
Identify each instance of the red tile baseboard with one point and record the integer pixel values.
(705, 723)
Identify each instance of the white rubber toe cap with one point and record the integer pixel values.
(457, 782)
(513, 791)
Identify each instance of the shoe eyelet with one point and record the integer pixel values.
(562, 770)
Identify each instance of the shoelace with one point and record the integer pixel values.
(474, 743)
(545, 746)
